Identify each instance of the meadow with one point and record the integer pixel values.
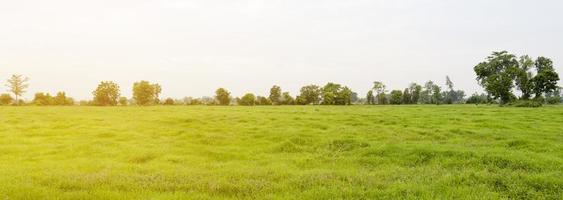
(281, 152)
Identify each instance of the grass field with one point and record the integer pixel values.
(306, 152)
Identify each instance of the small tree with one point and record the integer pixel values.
(5, 99)
(145, 93)
(62, 100)
(247, 100)
(223, 96)
(287, 99)
(406, 96)
(436, 94)
(416, 91)
(370, 99)
(43, 99)
(18, 85)
(310, 94)
(168, 102)
(123, 101)
(275, 95)
(396, 97)
(106, 94)
(546, 79)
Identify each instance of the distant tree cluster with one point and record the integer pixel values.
(415, 94)
(500, 75)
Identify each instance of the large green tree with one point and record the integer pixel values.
(497, 73)
(396, 97)
(106, 94)
(146, 93)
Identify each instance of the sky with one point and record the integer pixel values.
(193, 47)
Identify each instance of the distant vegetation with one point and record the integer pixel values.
(501, 75)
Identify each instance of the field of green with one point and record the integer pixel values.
(285, 152)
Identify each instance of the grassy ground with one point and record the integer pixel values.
(307, 152)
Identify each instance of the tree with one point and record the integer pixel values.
(247, 100)
(260, 100)
(406, 96)
(123, 101)
(497, 74)
(477, 99)
(310, 94)
(426, 94)
(275, 95)
(5, 99)
(524, 75)
(415, 90)
(43, 99)
(18, 85)
(62, 100)
(370, 98)
(145, 93)
(168, 102)
(379, 89)
(546, 78)
(287, 99)
(106, 94)
(223, 96)
(436, 95)
(396, 97)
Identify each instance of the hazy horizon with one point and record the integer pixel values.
(193, 47)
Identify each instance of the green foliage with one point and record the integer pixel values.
(223, 96)
(287, 99)
(263, 101)
(6, 99)
(396, 97)
(145, 93)
(526, 103)
(497, 73)
(276, 95)
(370, 99)
(123, 101)
(168, 102)
(476, 98)
(106, 94)
(546, 78)
(335, 94)
(310, 94)
(415, 90)
(247, 100)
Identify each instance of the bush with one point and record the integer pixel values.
(553, 100)
(526, 103)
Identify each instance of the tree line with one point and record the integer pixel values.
(499, 75)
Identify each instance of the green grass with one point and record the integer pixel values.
(301, 152)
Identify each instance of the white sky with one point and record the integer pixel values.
(193, 47)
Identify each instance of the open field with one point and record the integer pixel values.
(307, 152)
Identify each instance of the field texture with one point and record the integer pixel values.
(306, 152)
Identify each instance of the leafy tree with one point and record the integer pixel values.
(275, 95)
(223, 96)
(18, 85)
(43, 99)
(436, 95)
(370, 99)
(497, 74)
(406, 96)
(145, 93)
(287, 99)
(379, 88)
(415, 90)
(247, 100)
(5, 99)
(263, 101)
(62, 100)
(426, 94)
(477, 99)
(168, 102)
(396, 97)
(123, 101)
(310, 94)
(546, 77)
(523, 76)
(354, 97)
(106, 94)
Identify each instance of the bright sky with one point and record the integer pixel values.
(193, 47)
